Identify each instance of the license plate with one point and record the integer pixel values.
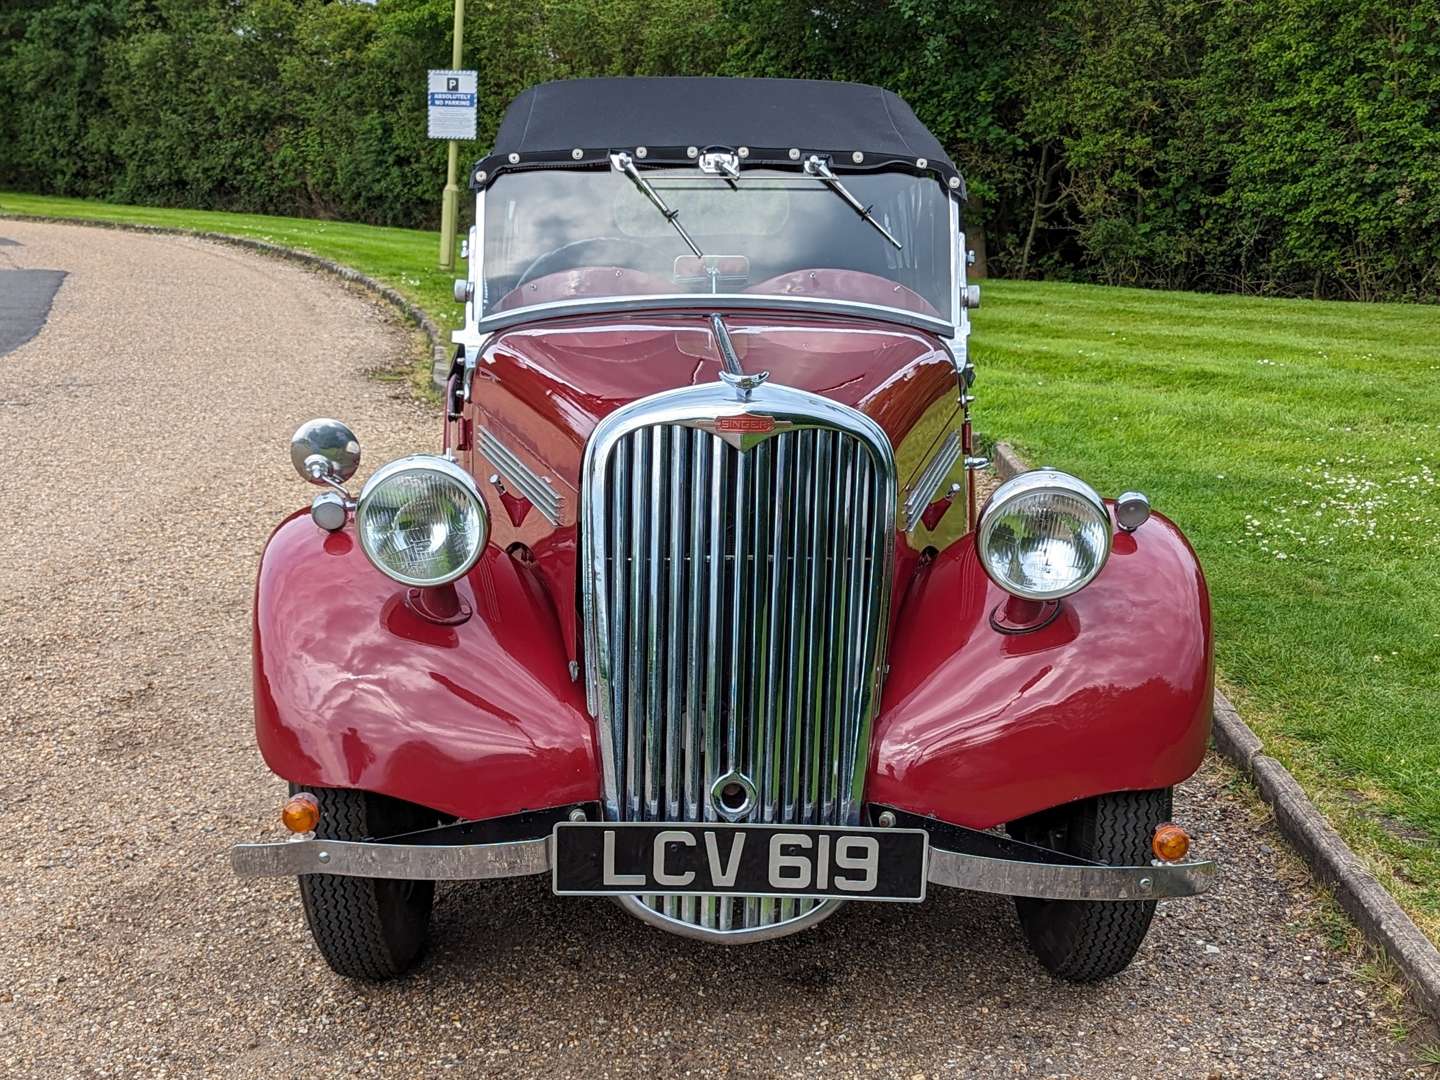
(597, 858)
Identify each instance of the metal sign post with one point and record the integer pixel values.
(452, 97)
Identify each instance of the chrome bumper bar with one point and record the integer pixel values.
(1043, 881)
(471, 862)
(413, 862)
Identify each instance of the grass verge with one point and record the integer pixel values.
(405, 259)
(1294, 441)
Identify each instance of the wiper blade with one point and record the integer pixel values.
(819, 168)
(626, 164)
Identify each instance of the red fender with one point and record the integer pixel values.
(353, 689)
(978, 727)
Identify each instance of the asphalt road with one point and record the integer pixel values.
(25, 297)
(143, 454)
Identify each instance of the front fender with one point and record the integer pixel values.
(978, 727)
(353, 689)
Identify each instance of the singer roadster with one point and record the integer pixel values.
(696, 608)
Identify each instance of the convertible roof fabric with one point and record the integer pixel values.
(581, 120)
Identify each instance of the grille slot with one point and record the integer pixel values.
(735, 623)
(527, 481)
(928, 484)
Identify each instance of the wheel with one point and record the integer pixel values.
(367, 928)
(1085, 940)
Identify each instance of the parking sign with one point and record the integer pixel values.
(451, 99)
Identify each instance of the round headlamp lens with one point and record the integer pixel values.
(421, 520)
(1044, 535)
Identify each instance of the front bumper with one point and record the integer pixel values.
(410, 862)
(1022, 871)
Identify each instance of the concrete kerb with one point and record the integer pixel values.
(440, 350)
(1377, 914)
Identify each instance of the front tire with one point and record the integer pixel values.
(367, 928)
(1086, 940)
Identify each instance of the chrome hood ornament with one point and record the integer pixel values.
(731, 373)
(743, 385)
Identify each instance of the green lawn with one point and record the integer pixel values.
(1298, 444)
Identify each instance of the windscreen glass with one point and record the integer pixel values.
(574, 234)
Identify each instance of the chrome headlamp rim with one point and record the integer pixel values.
(424, 463)
(1030, 483)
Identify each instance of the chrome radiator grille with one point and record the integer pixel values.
(735, 616)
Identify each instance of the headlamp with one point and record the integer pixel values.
(1043, 535)
(422, 521)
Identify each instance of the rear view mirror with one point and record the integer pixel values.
(325, 452)
(728, 272)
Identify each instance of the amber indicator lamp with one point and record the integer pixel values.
(301, 813)
(1171, 843)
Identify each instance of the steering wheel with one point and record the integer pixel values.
(566, 256)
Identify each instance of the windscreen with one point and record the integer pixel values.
(572, 234)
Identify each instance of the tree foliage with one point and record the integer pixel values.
(1275, 146)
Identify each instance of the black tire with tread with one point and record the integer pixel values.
(1078, 940)
(366, 928)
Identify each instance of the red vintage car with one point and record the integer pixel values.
(696, 609)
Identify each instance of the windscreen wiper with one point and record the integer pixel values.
(624, 163)
(819, 168)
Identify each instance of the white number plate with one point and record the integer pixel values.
(596, 858)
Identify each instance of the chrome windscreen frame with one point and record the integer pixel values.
(959, 332)
(479, 328)
(558, 309)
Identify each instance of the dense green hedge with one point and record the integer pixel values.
(1282, 146)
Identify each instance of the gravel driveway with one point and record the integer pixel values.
(143, 455)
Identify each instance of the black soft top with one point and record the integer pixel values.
(578, 122)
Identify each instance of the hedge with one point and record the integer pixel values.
(1267, 146)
